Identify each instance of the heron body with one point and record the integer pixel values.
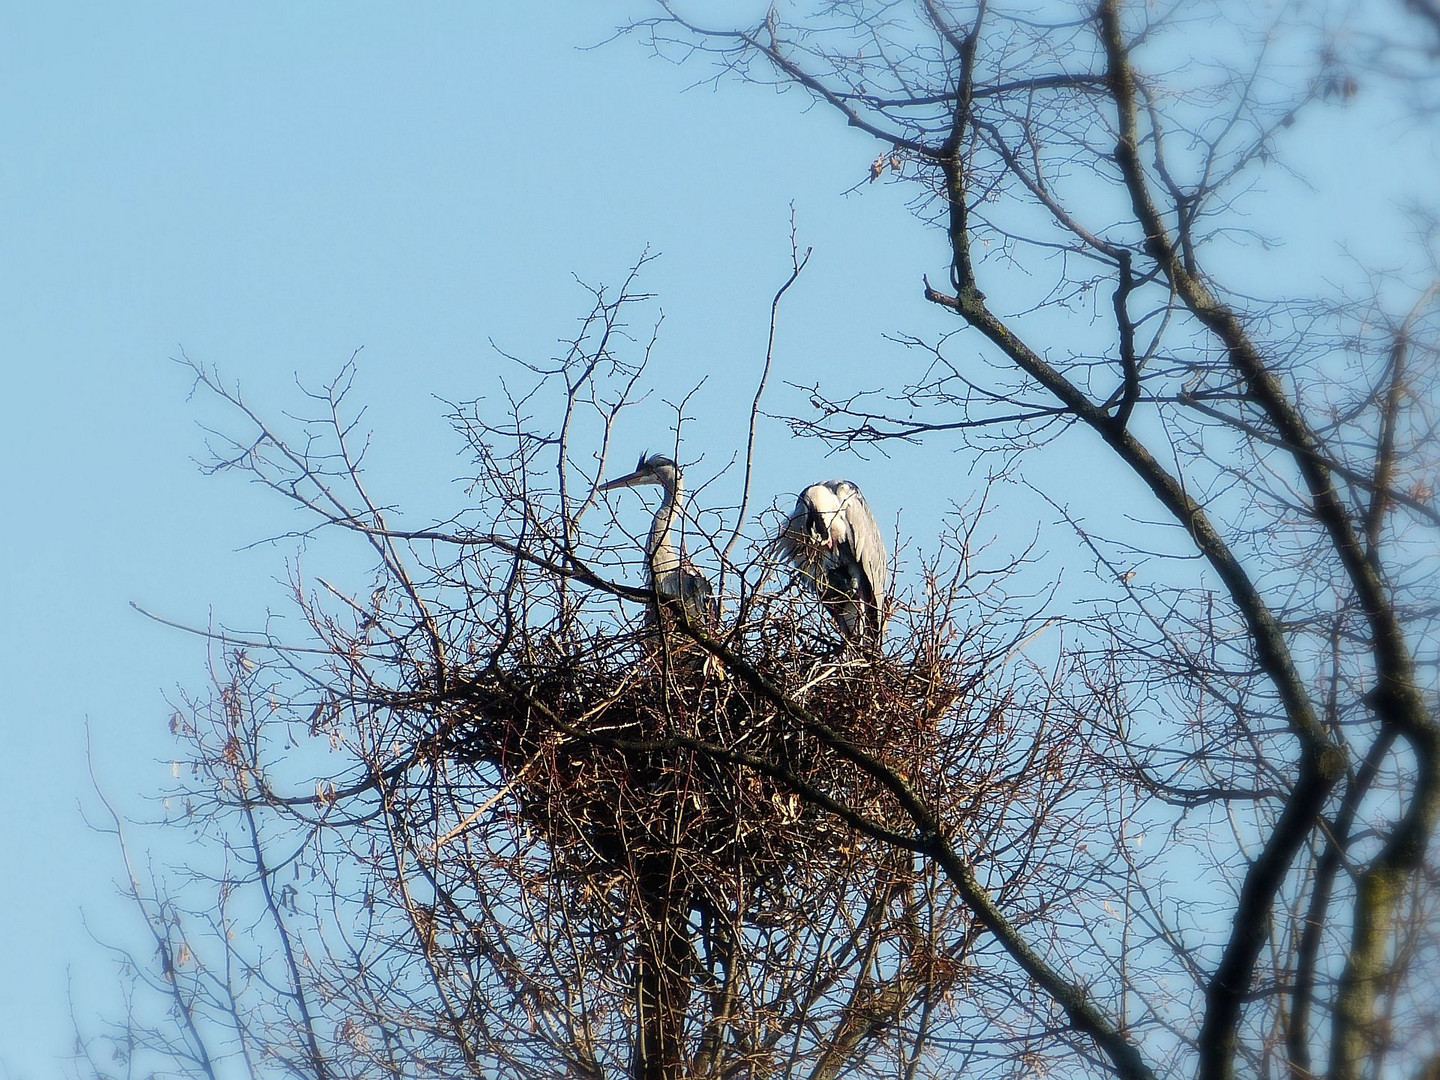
(832, 539)
(672, 575)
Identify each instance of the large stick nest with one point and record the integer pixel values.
(619, 756)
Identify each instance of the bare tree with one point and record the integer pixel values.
(483, 815)
(480, 816)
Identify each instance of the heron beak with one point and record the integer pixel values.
(640, 476)
(629, 480)
(822, 540)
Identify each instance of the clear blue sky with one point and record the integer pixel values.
(272, 186)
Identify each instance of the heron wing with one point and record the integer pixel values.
(866, 543)
(792, 533)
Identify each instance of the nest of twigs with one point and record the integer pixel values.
(642, 761)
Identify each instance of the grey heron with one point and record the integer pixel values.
(674, 577)
(832, 538)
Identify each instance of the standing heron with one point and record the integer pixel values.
(832, 538)
(674, 578)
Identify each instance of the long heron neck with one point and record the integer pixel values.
(664, 559)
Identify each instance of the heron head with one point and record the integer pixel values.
(824, 522)
(652, 469)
